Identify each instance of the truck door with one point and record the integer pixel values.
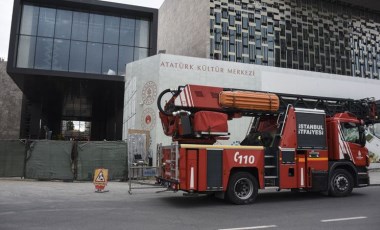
(349, 143)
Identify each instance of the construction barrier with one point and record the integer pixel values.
(49, 160)
(62, 160)
(12, 158)
(110, 155)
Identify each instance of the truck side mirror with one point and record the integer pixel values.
(362, 139)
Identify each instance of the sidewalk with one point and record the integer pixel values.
(374, 167)
(374, 177)
(374, 174)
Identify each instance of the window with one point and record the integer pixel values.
(270, 42)
(212, 46)
(245, 39)
(63, 25)
(251, 32)
(127, 31)
(231, 20)
(29, 20)
(245, 23)
(232, 47)
(110, 55)
(232, 37)
(218, 36)
(142, 32)
(77, 56)
(96, 28)
(225, 48)
(258, 24)
(46, 22)
(61, 54)
(224, 13)
(277, 57)
(94, 58)
(270, 28)
(350, 132)
(80, 26)
(224, 28)
(112, 28)
(25, 55)
(252, 52)
(211, 26)
(140, 53)
(44, 49)
(258, 41)
(238, 49)
(217, 18)
(125, 57)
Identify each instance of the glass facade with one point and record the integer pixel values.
(320, 36)
(84, 42)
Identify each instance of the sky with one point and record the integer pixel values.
(6, 8)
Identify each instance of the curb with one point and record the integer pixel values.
(374, 170)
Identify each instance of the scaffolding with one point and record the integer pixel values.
(141, 172)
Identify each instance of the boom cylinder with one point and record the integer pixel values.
(249, 100)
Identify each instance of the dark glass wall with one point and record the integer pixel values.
(77, 41)
(315, 35)
(62, 54)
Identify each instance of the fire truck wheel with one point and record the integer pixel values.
(341, 183)
(242, 188)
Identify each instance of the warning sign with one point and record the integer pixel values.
(100, 178)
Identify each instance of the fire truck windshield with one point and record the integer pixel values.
(350, 132)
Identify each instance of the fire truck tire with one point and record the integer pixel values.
(341, 183)
(242, 188)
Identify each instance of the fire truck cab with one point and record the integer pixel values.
(293, 142)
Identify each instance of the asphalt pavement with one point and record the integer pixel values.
(28, 204)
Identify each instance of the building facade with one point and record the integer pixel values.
(315, 35)
(68, 58)
(10, 104)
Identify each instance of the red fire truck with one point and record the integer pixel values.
(293, 142)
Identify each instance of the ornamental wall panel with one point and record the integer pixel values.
(314, 35)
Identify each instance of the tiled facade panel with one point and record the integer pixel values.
(313, 35)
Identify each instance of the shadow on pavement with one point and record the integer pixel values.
(263, 198)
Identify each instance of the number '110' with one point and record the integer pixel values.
(244, 159)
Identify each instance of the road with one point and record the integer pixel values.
(58, 205)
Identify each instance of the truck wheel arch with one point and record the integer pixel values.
(347, 165)
(252, 170)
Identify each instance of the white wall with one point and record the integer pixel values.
(317, 84)
(147, 78)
